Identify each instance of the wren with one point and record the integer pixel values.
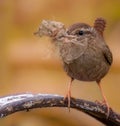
(83, 50)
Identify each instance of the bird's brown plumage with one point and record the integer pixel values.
(89, 58)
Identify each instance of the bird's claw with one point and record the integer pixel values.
(68, 96)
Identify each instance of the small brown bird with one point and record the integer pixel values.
(88, 58)
(85, 55)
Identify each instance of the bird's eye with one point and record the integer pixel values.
(80, 32)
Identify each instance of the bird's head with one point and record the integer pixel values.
(86, 32)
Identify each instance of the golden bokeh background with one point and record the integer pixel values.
(30, 64)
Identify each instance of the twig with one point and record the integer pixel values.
(20, 102)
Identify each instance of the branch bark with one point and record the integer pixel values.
(20, 102)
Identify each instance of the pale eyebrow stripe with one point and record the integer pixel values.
(87, 29)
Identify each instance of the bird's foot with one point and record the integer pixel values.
(68, 96)
(100, 102)
(104, 103)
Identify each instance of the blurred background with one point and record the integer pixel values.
(30, 64)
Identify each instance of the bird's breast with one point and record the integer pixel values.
(90, 66)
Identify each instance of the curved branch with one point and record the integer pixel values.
(19, 102)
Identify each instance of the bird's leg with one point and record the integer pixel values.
(104, 98)
(68, 95)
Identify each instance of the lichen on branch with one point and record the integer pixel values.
(20, 102)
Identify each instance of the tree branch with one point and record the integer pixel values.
(19, 102)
